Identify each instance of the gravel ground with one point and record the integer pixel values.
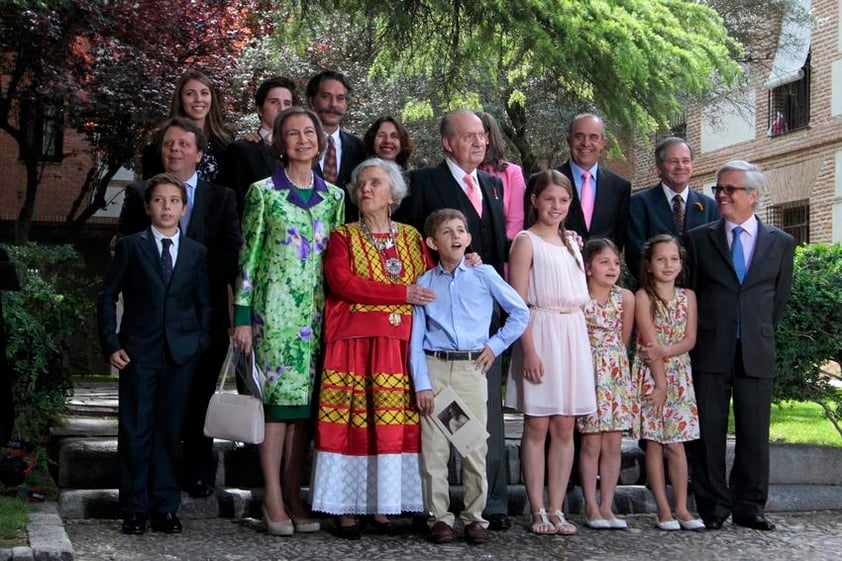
(813, 536)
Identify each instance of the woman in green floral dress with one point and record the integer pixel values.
(279, 302)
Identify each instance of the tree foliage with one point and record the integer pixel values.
(34, 44)
(54, 306)
(634, 61)
(113, 64)
(808, 337)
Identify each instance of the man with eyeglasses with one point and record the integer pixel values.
(741, 270)
(457, 183)
(671, 206)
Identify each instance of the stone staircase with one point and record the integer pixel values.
(84, 453)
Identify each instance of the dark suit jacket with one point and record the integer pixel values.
(213, 223)
(434, 188)
(244, 163)
(758, 303)
(611, 207)
(650, 214)
(353, 154)
(175, 316)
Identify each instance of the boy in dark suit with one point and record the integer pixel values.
(210, 219)
(166, 325)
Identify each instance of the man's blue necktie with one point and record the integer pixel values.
(191, 194)
(737, 255)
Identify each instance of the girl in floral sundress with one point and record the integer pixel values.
(610, 318)
(666, 319)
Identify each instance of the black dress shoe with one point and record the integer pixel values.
(200, 489)
(713, 522)
(376, 526)
(134, 523)
(351, 532)
(166, 522)
(756, 522)
(419, 525)
(498, 522)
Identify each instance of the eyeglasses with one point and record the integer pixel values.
(727, 189)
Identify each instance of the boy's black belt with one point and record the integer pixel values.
(454, 355)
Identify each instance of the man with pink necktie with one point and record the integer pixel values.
(457, 183)
(600, 206)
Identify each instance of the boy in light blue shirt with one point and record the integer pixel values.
(450, 346)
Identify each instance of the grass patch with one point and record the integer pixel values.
(799, 422)
(14, 514)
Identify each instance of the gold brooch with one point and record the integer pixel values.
(395, 319)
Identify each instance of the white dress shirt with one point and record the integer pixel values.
(173, 248)
(459, 175)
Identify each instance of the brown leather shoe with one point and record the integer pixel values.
(475, 533)
(441, 533)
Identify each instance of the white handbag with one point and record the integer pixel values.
(232, 416)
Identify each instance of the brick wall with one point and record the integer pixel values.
(817, 142)
(59, 185)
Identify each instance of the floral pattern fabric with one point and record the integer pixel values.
(678, 421)
(282, 283)
(611, 366)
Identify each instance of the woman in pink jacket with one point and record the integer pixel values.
(509, 173)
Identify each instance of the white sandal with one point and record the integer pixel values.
(563, 527)
(542, 527)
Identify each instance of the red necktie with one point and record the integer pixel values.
(329, 170)
(473, 193)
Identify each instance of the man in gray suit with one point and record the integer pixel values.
(742, 273)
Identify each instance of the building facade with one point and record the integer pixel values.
(787, 119)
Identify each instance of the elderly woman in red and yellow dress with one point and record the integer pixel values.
(367, 441)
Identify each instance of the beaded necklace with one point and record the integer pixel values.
(296, 185)
(393, 265)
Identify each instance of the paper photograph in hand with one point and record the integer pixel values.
(457, 422)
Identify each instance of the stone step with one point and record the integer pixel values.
(240, 503)
(85, 426)
(91, 463)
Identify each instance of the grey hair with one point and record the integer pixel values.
(754, 180)
(665, 144)
(582, 116)
(396, 182)
(446, 124)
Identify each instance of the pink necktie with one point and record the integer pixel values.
(473, 193)
(587, 198)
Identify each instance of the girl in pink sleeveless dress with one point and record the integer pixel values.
(551, 378)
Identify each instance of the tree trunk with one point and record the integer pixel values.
(98, 184)
(517, 134)
(24, 221)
